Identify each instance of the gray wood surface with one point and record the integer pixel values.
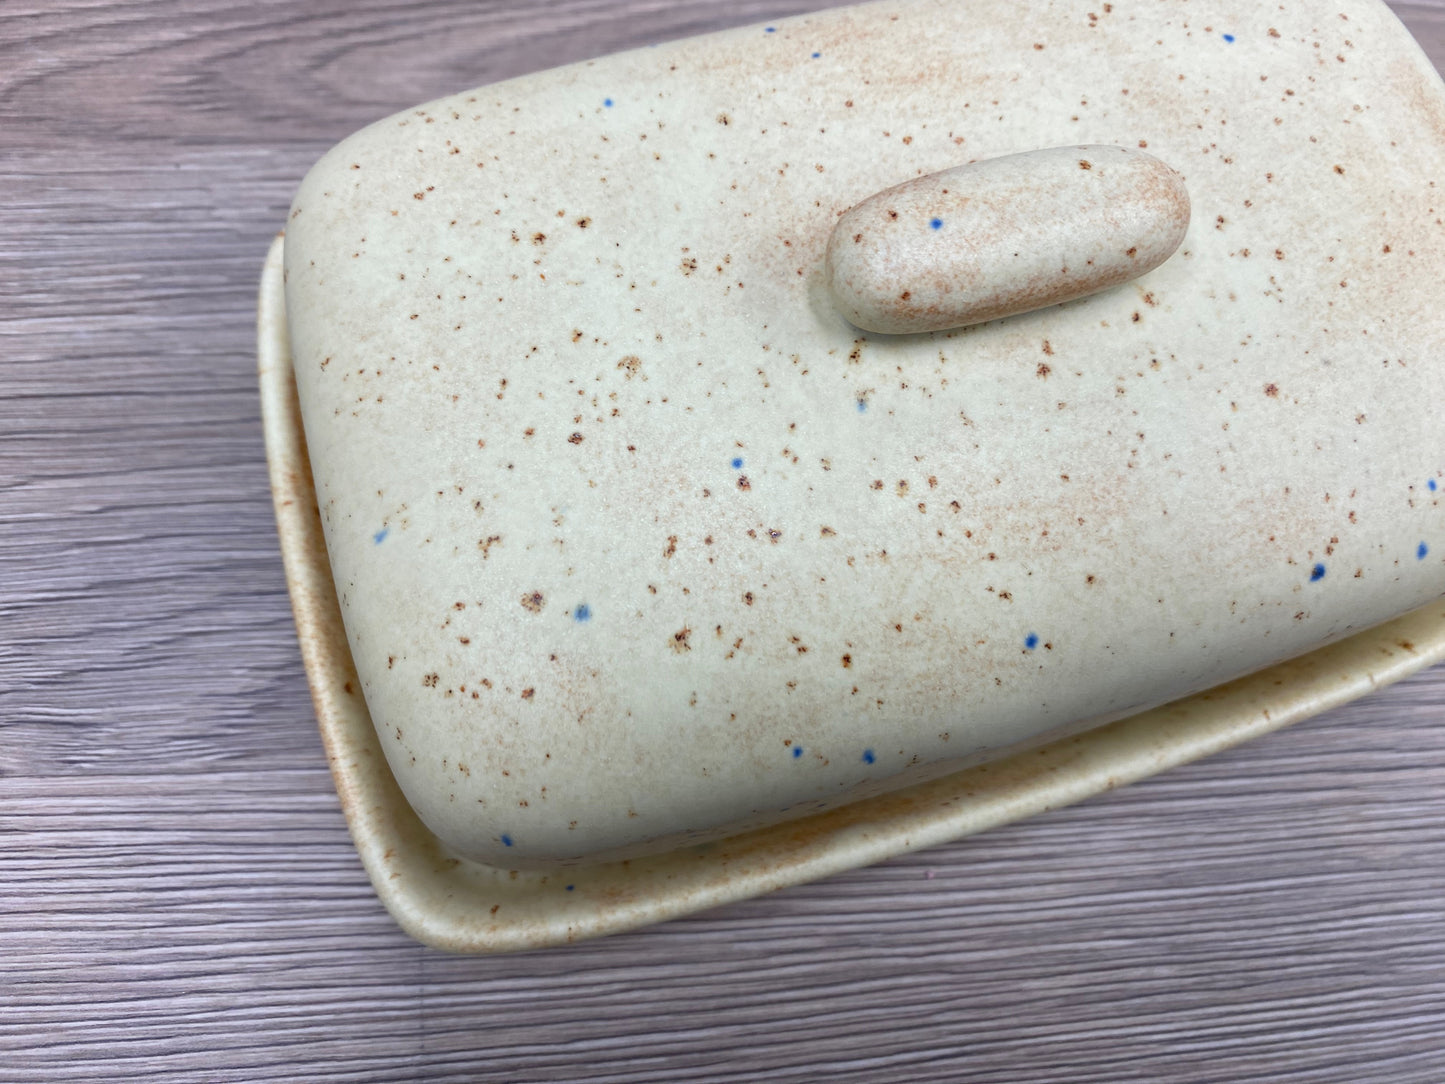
(178, 896)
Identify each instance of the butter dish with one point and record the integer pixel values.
(635, 577)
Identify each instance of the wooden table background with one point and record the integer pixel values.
(178, 896)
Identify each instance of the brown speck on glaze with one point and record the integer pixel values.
(533, 602)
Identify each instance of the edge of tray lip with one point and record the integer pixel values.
(435, 899)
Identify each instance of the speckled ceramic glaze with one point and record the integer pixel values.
(638, 542)
(1004, 236)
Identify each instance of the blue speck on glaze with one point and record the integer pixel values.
(797, 751)
(571, 887)
(1317, 573)
(868, 757)
(737, 462)
(607, 102)
(817, 55)
(506, 840)
(1432, 486)
(1229, 37)
(770, 30)
(583, 612)
(380, 535)
(935, 223)
(1422, 551)
(1031, 641)
(862, 406)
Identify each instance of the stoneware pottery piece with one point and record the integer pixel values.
(726, 463)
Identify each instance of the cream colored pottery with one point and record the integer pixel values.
(648, 581)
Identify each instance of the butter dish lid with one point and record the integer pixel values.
(638, 540)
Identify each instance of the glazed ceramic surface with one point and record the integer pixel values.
(464, 906)
(1025, 231)
(637, 541)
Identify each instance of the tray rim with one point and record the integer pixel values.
(460, 906)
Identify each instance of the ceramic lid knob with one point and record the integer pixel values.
(1004, 236)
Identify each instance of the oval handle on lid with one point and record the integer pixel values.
(1004, 236)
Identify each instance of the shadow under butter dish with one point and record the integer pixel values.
(636, 546)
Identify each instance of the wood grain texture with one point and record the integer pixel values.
(178, 896)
